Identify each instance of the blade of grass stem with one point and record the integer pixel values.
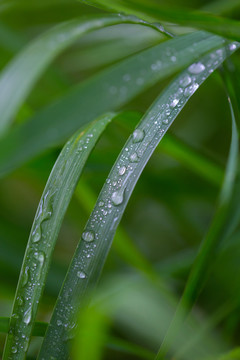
(208, 248)
(112, 88)
(20, 75)
(51, 210)
(152, 11)
(100, 229)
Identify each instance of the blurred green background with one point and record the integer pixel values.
(170, 209)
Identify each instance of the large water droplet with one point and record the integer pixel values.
(122, 170)
(81, 275)
(138, 135)
(185, 81)
(88, 236)
(196, 68)
(36, 235)
(191, 89)
(134, 157)
(117, 197)
(174, 103)
(27, 316)
(25, 276)
(14, 350)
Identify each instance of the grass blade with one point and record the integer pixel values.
(112, 89)
(51, 210)
(96, 240)
(152, 11)
(20, 75)
(208, 248)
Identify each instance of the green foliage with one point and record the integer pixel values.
(163, 283)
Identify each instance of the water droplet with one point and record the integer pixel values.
(25, 276)
(232, 47)
(173, 58)
(88, 236)
(191, 89)
(138, 135)
(20, 300)
(59, 322)
(185, 81)
(36, 235)
(174, 103)
(101, 203)
(117, 197)
(134, 157)
(40, 256)
(126, 77)
(81, 275)
(196, 68)
(165, 121)
(14, 350)
(27, 316)
(122, 170)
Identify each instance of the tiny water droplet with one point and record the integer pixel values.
(196, 68)
(101, 203)
(117, 197)
(122, 170)
(81, 275)
(134, 157)
(138, 135)
(59, 322)
(165, 121)
(174, 103)
(14, 350)
(27, 316)
(88, 236)
(185, 81)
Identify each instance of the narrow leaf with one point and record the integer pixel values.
(112, 88)
(208, 248)
(100, 229)
(23, 71)
(153, 11)
(51, 210)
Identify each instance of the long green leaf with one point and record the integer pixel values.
(17, 79)
(51, 210)
(96, 240)
(153, 11)
(208, 248)
(111, 88)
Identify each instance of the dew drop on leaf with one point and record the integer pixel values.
(27, 316)
(88, 236)
(122, 170)
(196, 68)
(81, 275)
(138, 135)
(117, 197)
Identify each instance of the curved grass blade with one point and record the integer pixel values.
(112, 88)
(96, 240)
(51, 210)
(152, 11)
(209, 246)
(24, 70)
